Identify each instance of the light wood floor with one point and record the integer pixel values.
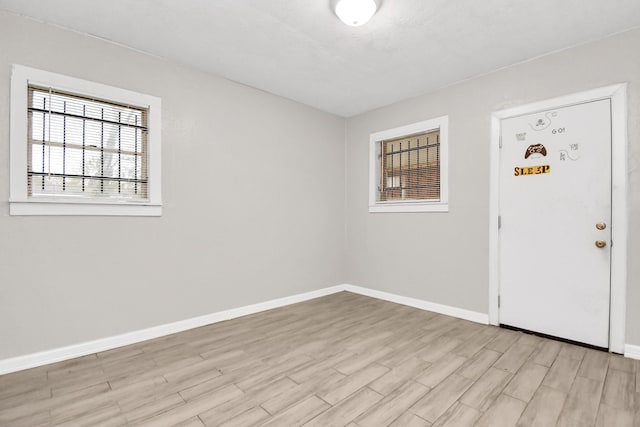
(340, 360)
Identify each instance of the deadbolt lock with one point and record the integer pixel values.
(601, 244)
(601, 226)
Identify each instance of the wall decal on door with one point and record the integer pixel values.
(521, 136)
(535, 151)
(571, 153)
(531, 170)
(564, 155)
(543, 122)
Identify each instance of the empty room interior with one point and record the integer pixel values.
(321, 213)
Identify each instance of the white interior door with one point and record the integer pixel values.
(555, 217)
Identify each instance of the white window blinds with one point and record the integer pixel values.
(80, 147)
(410, 168)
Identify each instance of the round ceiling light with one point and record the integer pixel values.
(355, 12)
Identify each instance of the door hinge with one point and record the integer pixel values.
(498, 301)
(500, 141)
(499, 221)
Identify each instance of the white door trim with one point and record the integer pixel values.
(618, 95)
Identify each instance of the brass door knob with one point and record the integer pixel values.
(600, 244)
(601, 226)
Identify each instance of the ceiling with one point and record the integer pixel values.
(298, 49)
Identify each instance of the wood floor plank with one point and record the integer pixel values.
(459, 415)
(31, 419)
(514, 357)
(38, 399)
(437, 401)
(484, 391)
(197, 368)
(303, 373)
(409, 419)
(478, 365)
(251, 398)
(108, 416)
(392, 406)
(267, 374)
(619, 390)
(529, 339)
(621, 363)
(504, 412)
(546, 352)
(436, 373)
(81, 407)
(193, 408)
(503, 340)
(526, 382)
(609, 416)
(562, 373)
(406, 350)
(572, 351)
(154, 407)
(583, 400)
(21, 381)
(468, 348)
(325, 380)
(570, 422)
(251, 417)
(347, 410)
(191, 422)
(360, 361)
(352, 383)
(438, 349)
(544, 409)
(594, 365)
(397, 376)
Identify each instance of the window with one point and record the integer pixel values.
(408, 168)
(82, 148)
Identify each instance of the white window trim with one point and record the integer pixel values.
(439, 123)
(19, 201)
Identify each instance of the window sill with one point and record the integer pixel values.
(409, 207)
(34, 207)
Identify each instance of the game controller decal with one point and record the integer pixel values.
(535, 150)
(531, 170)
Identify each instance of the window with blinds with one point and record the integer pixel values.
(410, 168)
(82, 147)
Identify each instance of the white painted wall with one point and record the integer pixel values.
(443, 257)
(246, 218)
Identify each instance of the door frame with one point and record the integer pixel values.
(618, 95)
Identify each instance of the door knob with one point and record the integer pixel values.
(600, 244)
(601, 226)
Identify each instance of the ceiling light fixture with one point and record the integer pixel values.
(355, 12)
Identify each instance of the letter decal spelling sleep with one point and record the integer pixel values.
(531, 170)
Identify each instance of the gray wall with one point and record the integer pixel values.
(443, 257)
(250, 212)
(246, 218)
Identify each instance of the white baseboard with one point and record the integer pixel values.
(460, 313)
(76, 350)
(632, 351)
